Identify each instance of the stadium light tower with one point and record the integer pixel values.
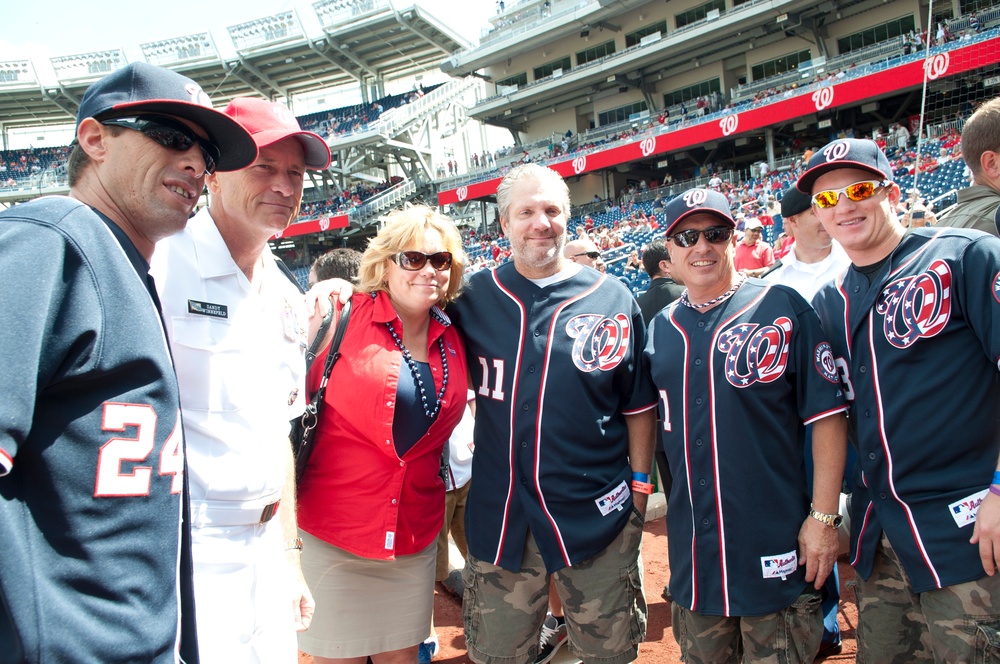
(266, 31)
(191, 48)
(333, 13)
(87, 65)
(16, 73)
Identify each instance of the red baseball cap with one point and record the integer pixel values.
(269, 122)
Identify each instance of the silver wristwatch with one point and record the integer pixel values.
(832, 520)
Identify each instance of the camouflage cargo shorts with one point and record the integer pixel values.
(602, 600)
(959, 623)
(789, 636)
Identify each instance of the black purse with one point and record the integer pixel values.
(303, 431)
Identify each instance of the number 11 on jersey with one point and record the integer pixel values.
(484, 389)
(666, 410)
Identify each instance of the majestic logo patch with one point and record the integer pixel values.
(614, 500)
(601, 342)
(826, 365)
(208, 309)
(966, 510)
(779, 566)
(755, 353)
(916, 306)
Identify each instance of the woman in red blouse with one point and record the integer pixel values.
(371, 502)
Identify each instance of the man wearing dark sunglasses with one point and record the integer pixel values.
(584, 252)
(742, 367)
(237, 328)
(913, 324)
(94, 515)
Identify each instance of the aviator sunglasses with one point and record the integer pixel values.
(416, 260)
(858, 191)
(171, 134)
(689, 238)
(589, 254)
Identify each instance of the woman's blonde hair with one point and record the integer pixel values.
(404, 231)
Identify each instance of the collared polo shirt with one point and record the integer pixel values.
(357, 493)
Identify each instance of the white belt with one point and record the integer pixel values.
(234, 513)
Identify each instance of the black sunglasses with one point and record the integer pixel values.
(416, 260)
(171, 134)
(689, 238)
(589, 254)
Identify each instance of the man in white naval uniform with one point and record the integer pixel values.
(237, 328)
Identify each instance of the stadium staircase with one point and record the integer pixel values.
(401, 136)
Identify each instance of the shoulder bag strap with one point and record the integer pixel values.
(334, 354)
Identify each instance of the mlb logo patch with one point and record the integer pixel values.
(964, 511)
(614, 500)
(779, 566)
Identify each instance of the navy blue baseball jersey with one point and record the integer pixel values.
(918, 349)
(738, 384)
(91, 455)
(555, 369)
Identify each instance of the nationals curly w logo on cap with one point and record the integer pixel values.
(697, 200)
(857, 153)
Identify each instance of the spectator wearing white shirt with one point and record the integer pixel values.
(815, 258)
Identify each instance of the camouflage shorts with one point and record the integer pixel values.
(959, 623)
(790, 636)
(602, 600)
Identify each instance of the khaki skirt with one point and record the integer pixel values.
(366, 606)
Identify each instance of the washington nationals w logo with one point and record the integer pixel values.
(695, 197)
(601, 342)
(916, 306)
(755, 353)
(836, 151)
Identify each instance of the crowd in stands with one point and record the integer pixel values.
(346, 200)
(914, 42)
(355, 118)
(692, 111)
(18, 166)
(623, 226)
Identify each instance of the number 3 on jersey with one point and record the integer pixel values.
(112, 480)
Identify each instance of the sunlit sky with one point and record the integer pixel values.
(44, 29)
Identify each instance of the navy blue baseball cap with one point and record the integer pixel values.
(693, 201)
(794, 202)
(846, 153)
(143, 88)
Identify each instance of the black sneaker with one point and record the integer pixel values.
(553, 637)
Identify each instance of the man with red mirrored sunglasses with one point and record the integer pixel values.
(915, 327)
(742, 367)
